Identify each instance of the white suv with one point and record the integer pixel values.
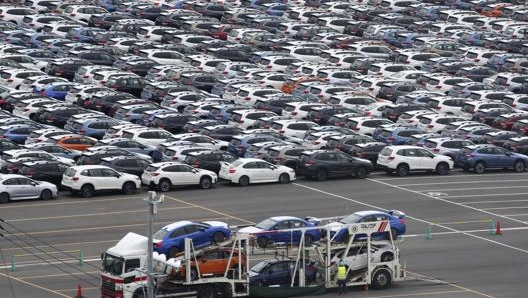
(165, 175)
(88, 179)
(404, 159)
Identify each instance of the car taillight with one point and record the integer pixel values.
(175, 158)
(430, 126)
(436, 150)
(391, 157)
(154, 174)
(232, 171)
(75, 178)
(309, 163)
(30, 174)
(391, 139)
(158, 245)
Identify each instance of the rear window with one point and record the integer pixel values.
(386, 151)
(70, 172)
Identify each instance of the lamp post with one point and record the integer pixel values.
(153, 209)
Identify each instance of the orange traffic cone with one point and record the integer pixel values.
(498, 230)
(79, 292)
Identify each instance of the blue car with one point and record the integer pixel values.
(17, 133)
(339, 233)
(240, 143)
(483, 157)
(396, 135)
(57, 90)
(84, 34)
(266, 232)
(170, 240)
(278, 272)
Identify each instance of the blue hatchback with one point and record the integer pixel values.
(483, 157)
(57, 90)
(283, 229)
(170, 240)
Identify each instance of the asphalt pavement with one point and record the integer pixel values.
(450, 250)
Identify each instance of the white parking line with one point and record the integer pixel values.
(504, 208)
(483, 195)
(475, 188)
(493, 202)
(421, 220)
(513, 215)
(456, 182)
(446, 177)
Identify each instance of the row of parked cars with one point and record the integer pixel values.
(103, 95)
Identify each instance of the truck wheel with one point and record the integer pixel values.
(381, 279)
(206, 291)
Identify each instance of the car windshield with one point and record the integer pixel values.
(259, 266)
(352, 218)
(266, 224)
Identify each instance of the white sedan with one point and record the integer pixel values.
(245, 171)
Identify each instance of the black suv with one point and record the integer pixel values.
(321, 164)
(368, 151)
(44, 170)
(65, 67)
(134, 165)
(208, 160)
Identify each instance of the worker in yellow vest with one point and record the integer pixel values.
(341, 277)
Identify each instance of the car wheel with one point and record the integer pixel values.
(284, 178)
(442, 168)
(46, 195)
(361, 173)
(263, 242)
(164, 185)
(519, 166)
(128, 188)
(402, 170)
(173, 252)
(4, 198)
(321, 175)
(243, 181)
(87, 191)
(206, 291)
(205, 182)
(218, 237)
(480, 167)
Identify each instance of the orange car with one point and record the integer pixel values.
(75, 142)
(494, 10)
(292, 83)
(215, 262)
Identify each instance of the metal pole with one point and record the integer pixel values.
(150, 279)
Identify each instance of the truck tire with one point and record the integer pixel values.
(206, 291)
(381, 279)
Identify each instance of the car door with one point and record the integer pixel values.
(502, 156)
(27, 188)
(278, 273)
(198, 235)
(212, 262)
(267, 172)
(187, 174)
(295, 236)
(110, 179)
(283, 236)
(345, 163)
(426, 159)
(252, 170)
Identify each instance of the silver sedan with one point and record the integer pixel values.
(18, 187)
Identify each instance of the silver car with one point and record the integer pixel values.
(18, 187)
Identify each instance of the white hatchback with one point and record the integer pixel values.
(403, 159)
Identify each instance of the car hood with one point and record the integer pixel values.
(252, 273)
(250, 230)
(335, 226)
(215, 223)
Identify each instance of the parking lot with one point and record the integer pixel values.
(460, 258)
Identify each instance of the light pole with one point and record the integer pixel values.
(153, 209)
